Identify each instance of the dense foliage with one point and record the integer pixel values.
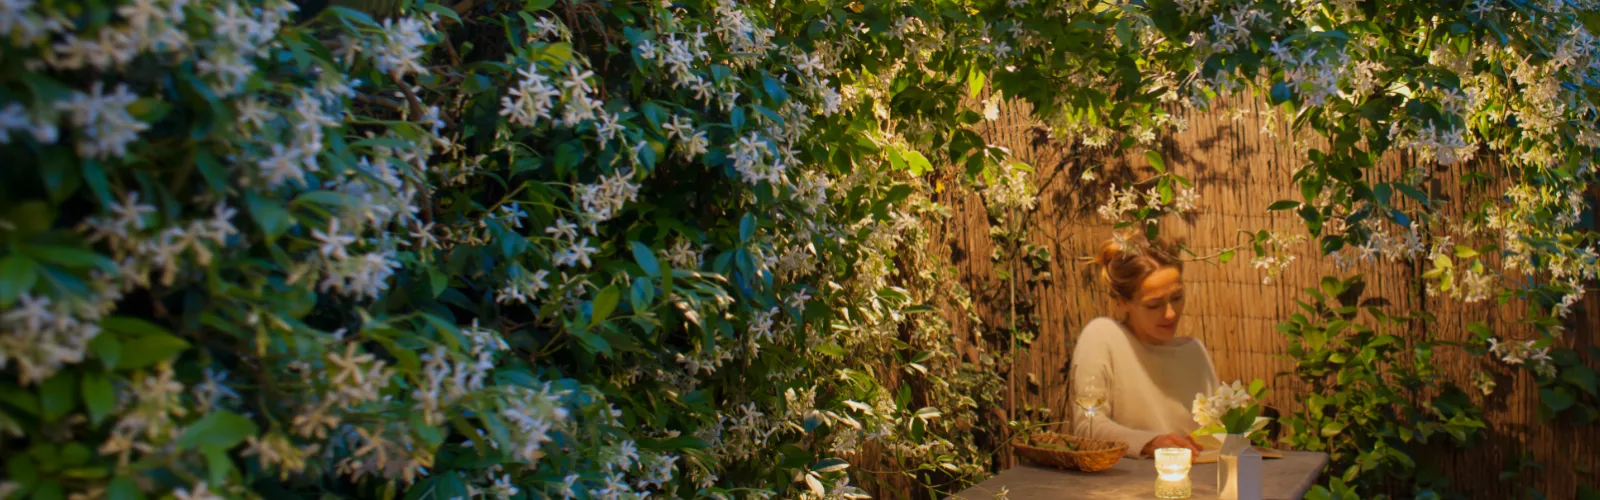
(608, 249)
(550, 250)
(1375, 398)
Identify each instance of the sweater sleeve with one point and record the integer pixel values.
(1093, 355)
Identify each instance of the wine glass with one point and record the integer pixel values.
(1091, 395)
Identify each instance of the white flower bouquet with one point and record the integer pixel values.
(1231, 409)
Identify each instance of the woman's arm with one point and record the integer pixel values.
(1104, 426)
(1093, 356)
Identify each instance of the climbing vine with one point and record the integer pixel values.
(611, 249)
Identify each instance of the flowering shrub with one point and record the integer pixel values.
(1513, 81)
(1375, 399)
(1499, 94)
(483, 251)
(609, 250)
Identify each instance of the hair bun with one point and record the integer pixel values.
(1108, 252)
(1125, 261)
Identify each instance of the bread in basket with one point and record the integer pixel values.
(1071, 452)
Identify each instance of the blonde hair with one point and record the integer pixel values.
(1126, 262)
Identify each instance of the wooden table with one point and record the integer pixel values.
(1283, 479)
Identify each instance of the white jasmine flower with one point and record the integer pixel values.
(13, 117)
(104, 124)
(578, 253)
(196, 492)
(547, 28)
(401, 52)
(333, 241)
(563, 229)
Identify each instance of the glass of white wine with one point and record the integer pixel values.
(1090, 396)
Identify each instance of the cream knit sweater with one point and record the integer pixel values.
(1149, 388)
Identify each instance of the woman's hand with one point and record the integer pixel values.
(1171, 441)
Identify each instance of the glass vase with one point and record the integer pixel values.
(1227, 465)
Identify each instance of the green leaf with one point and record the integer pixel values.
(975, 81)
(349, 14)
(1582, 376)
(107, 349)
(774, 88)
(641, 294)
(49, 490)
(830, 465)
(98, 396)
(594, 343)
(831, 349)
(537, 5)
(1481, 330)
(1124, 32)
(123, 488)
(71, 257)
(150, 350)
(17, 276)
(1558, 399)
(132, 327)
(220, 429)
(218, 464)
(1382, 193)
(27, 219)
(58, 395)
(1283, 205)
(747, 226)
(1239, 420)
(1412, 192)
(62, 177)
(75, 455)
(917, 163)
(44, 88)
(22, 469)
(149, 109)
(270, 215)
(604, 303)
(95, 177)
(1332, 429)
(1226, 256)
(437, 281)
(212, 170)
(321, 197)
(1256, 387)
(1155, 161)
(896, 161)
(1281, 93)
(442, 11)
(646, 258)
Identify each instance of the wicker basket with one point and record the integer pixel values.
(1092, 455)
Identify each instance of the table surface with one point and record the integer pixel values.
(1282, 479)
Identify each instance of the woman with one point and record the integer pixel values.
(1150, 374)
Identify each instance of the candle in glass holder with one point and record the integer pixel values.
(1172, 473)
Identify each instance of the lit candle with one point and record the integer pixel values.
(1172, 470)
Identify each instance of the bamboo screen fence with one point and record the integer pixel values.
(1240, 167)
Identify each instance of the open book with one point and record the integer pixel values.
(1213, 449)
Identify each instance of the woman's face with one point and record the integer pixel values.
(1154, 311)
